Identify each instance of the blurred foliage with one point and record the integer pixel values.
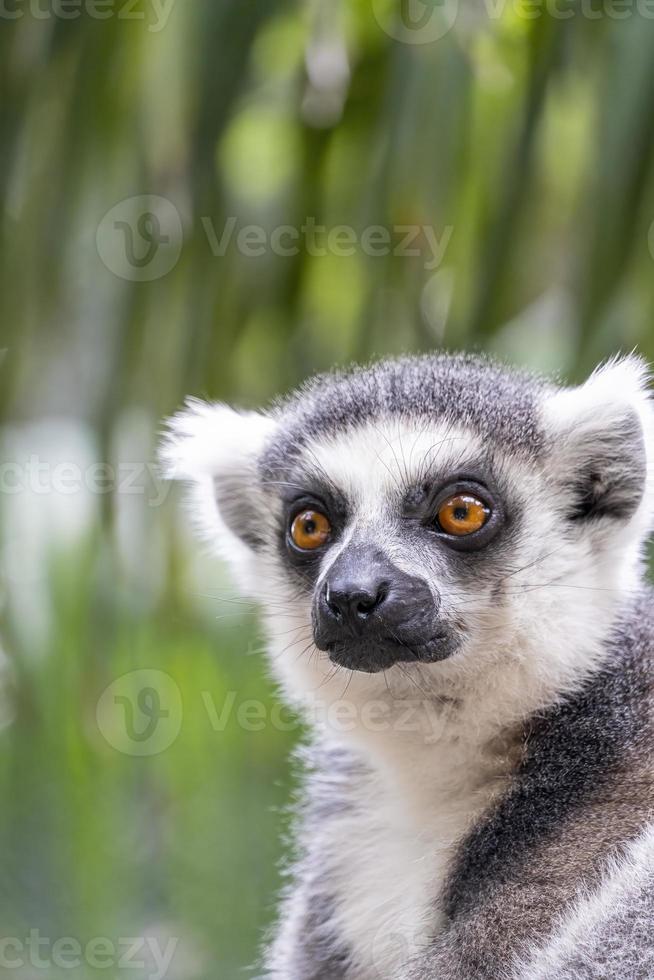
(519, 142)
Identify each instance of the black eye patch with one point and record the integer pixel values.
(472, 487)
(306, 493)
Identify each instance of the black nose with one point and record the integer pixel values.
(351, 602)
(369, 614)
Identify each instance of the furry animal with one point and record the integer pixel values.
(449, 559)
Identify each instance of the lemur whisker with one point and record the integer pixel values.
(400, 484)
(284, 483)
(219, 598)
(536, 561)
(302, 652)
(429, 463)
(396, 480)
(393, 476)
(420, 433)
(278, 654)
(307, 581)
(243, 602)
(294, 629)
(329, 677)
(237, 616)
(349, 681)
(586, 588)
(280, 603)
(321, 469)
(404, 463)
(408, 676)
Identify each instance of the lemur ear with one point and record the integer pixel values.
(601, 435)
(215, 448)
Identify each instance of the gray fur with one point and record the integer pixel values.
(499, 403)
(611, 469)
(619, 947)
(309, 944)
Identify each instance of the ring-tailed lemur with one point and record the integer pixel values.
(448, 555)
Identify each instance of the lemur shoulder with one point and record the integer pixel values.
(450, 555)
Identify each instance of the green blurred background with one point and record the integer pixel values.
(512, 143)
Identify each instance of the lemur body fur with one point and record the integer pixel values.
(480, 799)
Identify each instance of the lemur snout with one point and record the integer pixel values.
(369, 614)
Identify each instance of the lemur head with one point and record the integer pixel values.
(439, 514)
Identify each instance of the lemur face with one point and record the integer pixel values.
(439, 511)
(387, 531)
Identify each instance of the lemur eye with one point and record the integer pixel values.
(463, 514)
(310, 530)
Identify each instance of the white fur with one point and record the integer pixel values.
(202, 442)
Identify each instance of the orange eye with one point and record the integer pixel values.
(310, 530)
(463, 514)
